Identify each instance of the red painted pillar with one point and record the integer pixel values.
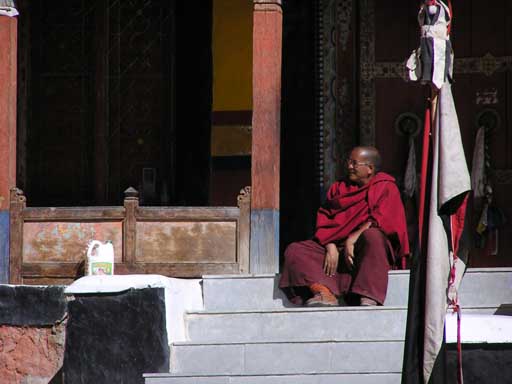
(266, 124)
(8, 49)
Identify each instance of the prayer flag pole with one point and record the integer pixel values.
(438, 264)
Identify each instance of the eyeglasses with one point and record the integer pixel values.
(355, 163)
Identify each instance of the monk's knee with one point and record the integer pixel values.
(373, 237)
(291, 252)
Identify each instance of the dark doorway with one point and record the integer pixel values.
(100, 86)
(300, 195)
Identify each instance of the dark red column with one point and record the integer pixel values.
(267, 46)
(8, 49)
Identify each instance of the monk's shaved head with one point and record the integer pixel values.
(372, 155)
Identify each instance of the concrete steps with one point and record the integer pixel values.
(481, 287)
(357, 378)
(250, 333)
(287, 358)
(298, 324)
(236, 292)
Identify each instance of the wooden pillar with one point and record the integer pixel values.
(8, 49)
(266, 122)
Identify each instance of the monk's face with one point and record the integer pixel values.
(359, 168)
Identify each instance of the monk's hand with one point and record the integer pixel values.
(331, 259)
(349, 252)
(350, 243)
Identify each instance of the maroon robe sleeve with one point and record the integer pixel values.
(345, 210)
(325, 223)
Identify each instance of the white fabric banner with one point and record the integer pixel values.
(450, 179)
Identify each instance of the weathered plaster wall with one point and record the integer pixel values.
(31, 354)
(32, 334)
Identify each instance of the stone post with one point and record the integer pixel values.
(8, 62)
(267, 43)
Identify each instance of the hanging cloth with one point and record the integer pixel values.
(410, 183)
(478, 177)
(432, 62)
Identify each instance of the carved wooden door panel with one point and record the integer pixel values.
(100, 101)
(59, 145)
(138, 79)
(482, 41)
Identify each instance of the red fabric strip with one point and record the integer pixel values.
(457, 227)
(424, 165)
(449, 30)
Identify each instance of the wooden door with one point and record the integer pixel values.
(99, 101)
(482, 41)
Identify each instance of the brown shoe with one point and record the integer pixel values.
(323, 297)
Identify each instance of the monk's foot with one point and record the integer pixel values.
(297, 300)
(367, 302)
(320, 301)
(322, 297)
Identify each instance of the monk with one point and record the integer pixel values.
(360, 235)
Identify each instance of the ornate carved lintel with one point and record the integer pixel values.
(487, 64)
(267, 5)
(278, 2)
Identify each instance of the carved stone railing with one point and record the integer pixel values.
(48, 245)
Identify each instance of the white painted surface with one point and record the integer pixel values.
(479, 328)
(8, 11)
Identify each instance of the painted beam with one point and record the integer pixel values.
(8, 52)
(266, 121)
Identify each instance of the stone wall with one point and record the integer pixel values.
(32, 334)
(31, 355)
(47, 337)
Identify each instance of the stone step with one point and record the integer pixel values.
(361, 378)
(302, 324)
(235, 292)
(286, 358)
(298, 324)
(486, 287)
(481, 287)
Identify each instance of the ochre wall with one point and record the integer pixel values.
(232, 55)
(232, 99)
(232, 77)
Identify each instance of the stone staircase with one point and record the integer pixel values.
(248, 333)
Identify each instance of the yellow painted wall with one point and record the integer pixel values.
(232, 55)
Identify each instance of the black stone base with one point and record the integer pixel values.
(481, 363)
(115, 338)
(31, 306)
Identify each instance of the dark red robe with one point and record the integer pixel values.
(348, 206)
